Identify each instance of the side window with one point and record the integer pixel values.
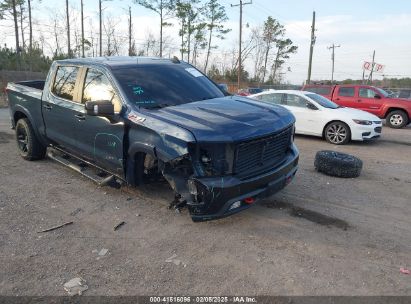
(97, 87)
(272, 98)
(295, 101)
(366, 93)
(65, 81)
(346, 91)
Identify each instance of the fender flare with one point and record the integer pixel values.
(20, 108)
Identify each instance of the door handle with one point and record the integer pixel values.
(359, 100)
(47, 107)
(80, 116)
(337, 99)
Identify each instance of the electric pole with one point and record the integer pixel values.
(129, 31)
(68, 30)
(333, 59)
(101, 35)
(372, 68)
(241, 4)
(310, 62)
(82, 30)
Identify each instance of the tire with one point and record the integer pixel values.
(337, 133)
(29, 146)
(397, 119)
(337, 164)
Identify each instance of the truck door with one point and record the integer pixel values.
(100, 139)
(345, 96)
(369, 100)
(60, 107)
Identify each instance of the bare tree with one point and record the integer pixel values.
(165, 10)
(271, 33)
(8, 10)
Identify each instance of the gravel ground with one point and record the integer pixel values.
(319, 236)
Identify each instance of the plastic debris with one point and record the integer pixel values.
(405, 271)
(175, 261)
(103, 252)
(75, 286)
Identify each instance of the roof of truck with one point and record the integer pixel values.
(119, 61)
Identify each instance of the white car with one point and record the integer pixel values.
(319, 116)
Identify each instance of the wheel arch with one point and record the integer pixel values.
(335, 120)
(392, 109)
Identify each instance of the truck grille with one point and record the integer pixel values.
(261, 154)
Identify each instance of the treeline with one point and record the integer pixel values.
(202, 24)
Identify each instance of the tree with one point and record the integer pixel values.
(272, 30)
(216, 16)
(68, 29)
(285, 47)
(8, 10)
(164, 8)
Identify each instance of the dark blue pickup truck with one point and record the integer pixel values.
(142, 119)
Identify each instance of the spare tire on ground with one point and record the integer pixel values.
(337, 164)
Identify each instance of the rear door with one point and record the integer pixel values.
(307, 121)
(346, 96)
(61, 107)
(100, 139)
(367, 100)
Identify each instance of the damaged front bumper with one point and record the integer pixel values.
(217, 197)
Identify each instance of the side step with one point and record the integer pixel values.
(100, 177)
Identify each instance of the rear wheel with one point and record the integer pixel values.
(337, 133)
(397, 119)
(29, 146)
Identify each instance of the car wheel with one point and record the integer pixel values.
(337, 133)
(337, 164)
(29, 146)
(397, 119)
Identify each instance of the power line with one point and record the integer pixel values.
(333, 59)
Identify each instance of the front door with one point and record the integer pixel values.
(100, 139)
(367, 100)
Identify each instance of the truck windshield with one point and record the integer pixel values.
(326, 103)
(156, 86)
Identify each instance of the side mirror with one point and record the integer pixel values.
(99, 108)
(376, 96)
(311, 106)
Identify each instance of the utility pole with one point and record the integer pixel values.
(129, 31)
(82, 30)
(241, 4)
(372, 68)
(101, 35)
(333, 59)
(68, 30)
(310, 62)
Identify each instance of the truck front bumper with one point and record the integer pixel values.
(223, 196)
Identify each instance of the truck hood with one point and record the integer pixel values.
(225, 119)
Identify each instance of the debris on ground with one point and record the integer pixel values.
(175, 261)
(103, 252)
(119, 225)
(55, 227)
(405, 271)
(75, 286)
(75, 212)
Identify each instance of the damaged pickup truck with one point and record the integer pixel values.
(138, 120)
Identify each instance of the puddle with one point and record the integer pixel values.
(5, 137)
(309, 215)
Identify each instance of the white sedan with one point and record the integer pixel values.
(319, 116)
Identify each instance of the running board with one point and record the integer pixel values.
(100, 177)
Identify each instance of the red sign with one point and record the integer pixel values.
(378, 68)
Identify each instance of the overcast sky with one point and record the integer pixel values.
(359, 26)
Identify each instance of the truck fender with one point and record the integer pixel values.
(25, 112)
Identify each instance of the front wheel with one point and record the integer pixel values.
(397, 119)
(29, 146)
(337, 133)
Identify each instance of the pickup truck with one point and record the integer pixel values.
(148, 119)
(396, 111)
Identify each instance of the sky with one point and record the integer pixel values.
(359, 27)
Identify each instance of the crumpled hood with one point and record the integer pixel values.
(226, 119)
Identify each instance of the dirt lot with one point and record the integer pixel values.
(319, 236)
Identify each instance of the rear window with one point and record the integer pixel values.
(319, 90)
(65, 82)
(347, 91)
(157, 86)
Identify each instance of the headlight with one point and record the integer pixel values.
(363, 122)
